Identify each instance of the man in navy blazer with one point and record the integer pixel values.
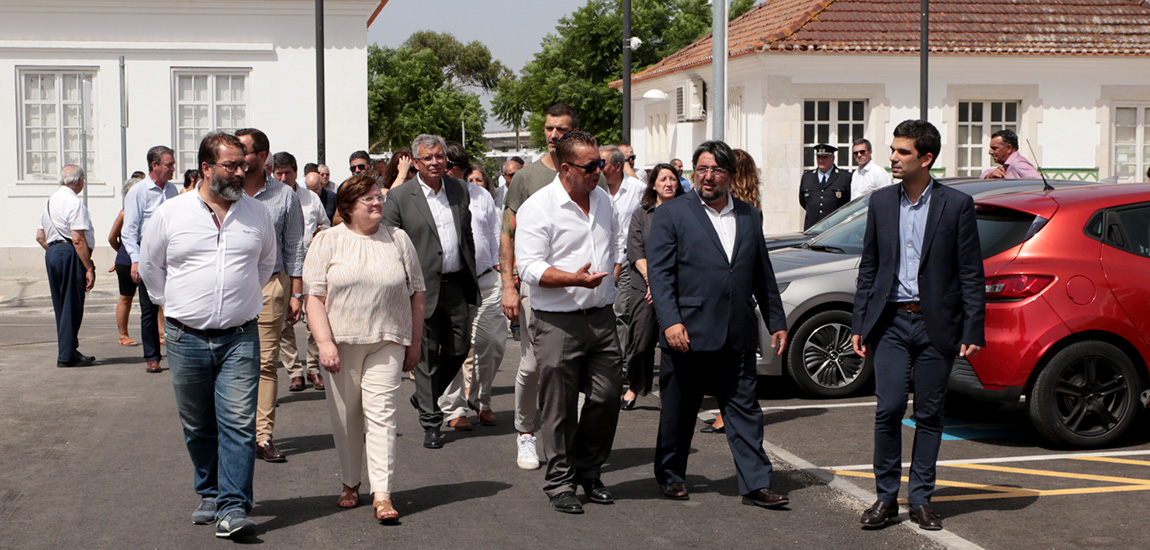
(920, 300)
(707, 265)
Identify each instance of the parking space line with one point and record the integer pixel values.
(1008, 459)
(1114, 460)
(1000, 491)
(1051, 473)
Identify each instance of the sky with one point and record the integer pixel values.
(511, 29)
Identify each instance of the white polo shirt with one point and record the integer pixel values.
(64, 213)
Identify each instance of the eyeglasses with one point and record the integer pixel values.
(230, 166)
(369, 199)
(716, 170)
(451, 165)
(857, 153)
(358, 168)
(631, 158)
(591, 166)
(325, 174)
(430, 158)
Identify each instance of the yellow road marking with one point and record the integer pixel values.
(1050, 473)
(1114, 460)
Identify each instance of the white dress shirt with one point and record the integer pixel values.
(724, 223)
(553, 231)
(208, 276)
(627, 199)
(868, 178)
(314, 216)
(142, 199)
(484, 228)
(444, 225)
(64, 213)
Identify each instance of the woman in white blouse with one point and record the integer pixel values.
(365, 304)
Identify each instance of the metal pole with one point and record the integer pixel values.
(84, 94)
(123, 123)
(627, 71)
(320, 111)
(463, 129)
(924, 55)
(719, 64)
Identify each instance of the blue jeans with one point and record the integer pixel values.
(216, 380)
(903, 348)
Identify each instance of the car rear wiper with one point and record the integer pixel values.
(826, 248)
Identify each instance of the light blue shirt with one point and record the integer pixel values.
(142, 199)
(287, 216)
(686, 185)
(911, 227)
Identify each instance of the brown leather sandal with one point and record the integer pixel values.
(385, 512)
(349, 497)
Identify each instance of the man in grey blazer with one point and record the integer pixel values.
(432, 209)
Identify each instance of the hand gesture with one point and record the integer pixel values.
(587, 278)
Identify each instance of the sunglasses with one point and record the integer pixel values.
(591, 166)
(857, 153)
(358, 168)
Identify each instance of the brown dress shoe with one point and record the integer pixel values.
(296, 384)
(153, 367)
(460, 424)
(316, 381)
(675, 491)
(878, 515)
(268, 452)
(926, 518)
(486, 418)
(765, 498)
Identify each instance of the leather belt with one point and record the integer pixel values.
(913, 307)
(214, 332)
(54, 243)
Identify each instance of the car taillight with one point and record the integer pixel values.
(1016, 287)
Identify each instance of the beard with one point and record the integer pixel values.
(712, 196)
(228, 188)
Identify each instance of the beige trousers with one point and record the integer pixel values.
(295, 365)
(271, 324)
(364, 392)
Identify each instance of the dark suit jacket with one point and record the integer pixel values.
(406, 208)
(327, 199)
(951, 283)
(693, 283)
(818, 202)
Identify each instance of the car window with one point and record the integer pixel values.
(845, 238)
(1128, 228)
(1000, 229)
(846, 211)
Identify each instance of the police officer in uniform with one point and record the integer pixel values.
(825, 189)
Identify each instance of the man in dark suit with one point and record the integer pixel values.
(432, 209)
(707, 265)
(921, 299)
(825, 189)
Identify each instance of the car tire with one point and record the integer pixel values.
(1086, 396)
(820, 358)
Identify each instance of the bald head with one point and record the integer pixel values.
(72, 176)
(313, 181)
(509, 169)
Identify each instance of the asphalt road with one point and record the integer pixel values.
(94, 458)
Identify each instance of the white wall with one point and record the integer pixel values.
(272, 39)
(1065, 107)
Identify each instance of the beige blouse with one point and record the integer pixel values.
(368, 281)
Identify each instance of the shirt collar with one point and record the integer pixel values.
(827, 173)
(730, 207)
(923, 199)
(427, 191)
(1013, 158)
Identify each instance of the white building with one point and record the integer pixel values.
(188, 67)
(1070, 76)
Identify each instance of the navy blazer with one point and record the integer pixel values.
(951, 283)
(406, 208)
(693, 283)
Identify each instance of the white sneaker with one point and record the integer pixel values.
(528, 459)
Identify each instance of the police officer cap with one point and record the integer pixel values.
(823, 149)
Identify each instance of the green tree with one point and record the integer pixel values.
(576, 64)
(418, 88)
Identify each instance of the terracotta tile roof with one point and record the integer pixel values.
(1068, 27)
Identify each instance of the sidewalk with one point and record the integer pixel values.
(27, 295)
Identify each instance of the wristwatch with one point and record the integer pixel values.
(297, 296)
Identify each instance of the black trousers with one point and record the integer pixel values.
(641, 343)
(66, 281)
(446, 343)
(149, 325)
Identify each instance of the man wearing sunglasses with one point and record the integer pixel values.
(824, 189)
(869, 176)
(359, 162)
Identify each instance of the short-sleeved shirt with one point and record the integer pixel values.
(64, 213)
(368, 281)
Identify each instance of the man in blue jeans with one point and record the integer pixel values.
(205, 258)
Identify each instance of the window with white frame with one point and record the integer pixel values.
(206, 101)
(52, 122)
(977, 121)
(834, 122)
(1131, 143)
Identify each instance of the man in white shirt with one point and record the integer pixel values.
(143, 199)
(65, 232)
(314, 220)
(869, 176)
(568, 246)
(626, 193)
(205, 258)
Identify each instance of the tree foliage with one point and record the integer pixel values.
(578, 61)
(418, 88)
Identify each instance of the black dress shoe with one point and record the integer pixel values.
(83, 358)
(765, 498)
(72, 363)
(878, 515)
(567, 503)
(433, 438)
(709, 421)
(675, 491)
(627, 405)
(713, 430)
(926, 518)
(596, 492)
(268, 452)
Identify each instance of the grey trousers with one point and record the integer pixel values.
(577, 352)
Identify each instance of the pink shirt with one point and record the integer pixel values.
(1016, 166)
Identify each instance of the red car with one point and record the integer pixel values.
(1068, 309)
